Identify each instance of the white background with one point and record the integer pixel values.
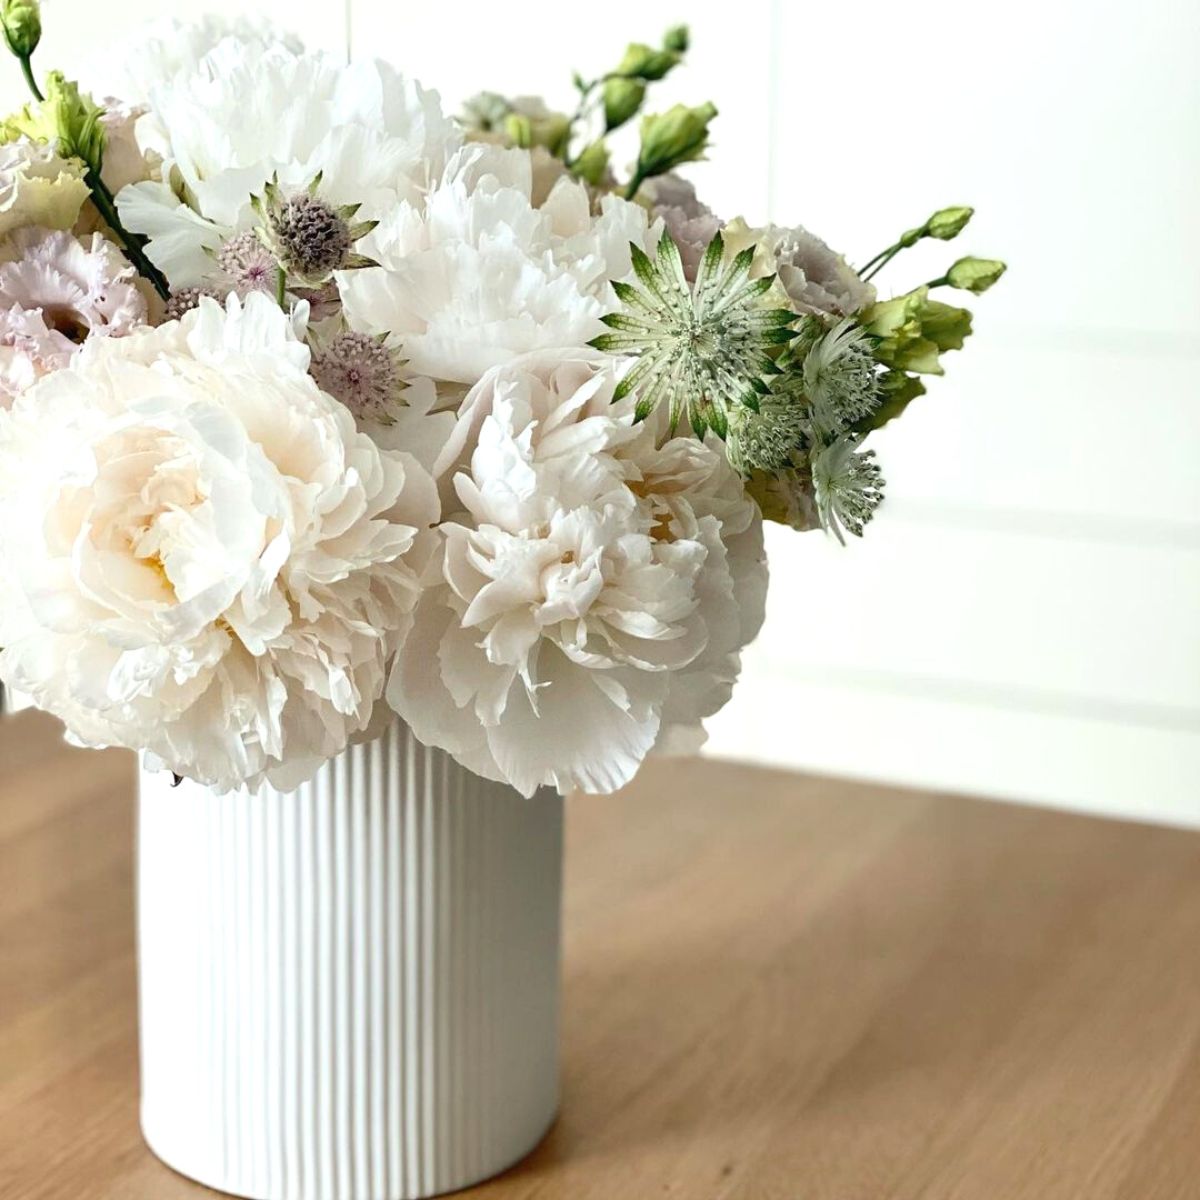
(1022, 619)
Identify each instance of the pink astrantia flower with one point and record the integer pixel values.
(55, 293)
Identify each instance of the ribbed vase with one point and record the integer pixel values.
(349, 992)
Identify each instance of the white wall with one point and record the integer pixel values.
(1021, 620)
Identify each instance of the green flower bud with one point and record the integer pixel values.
(644, 62)
(677, 38)
(622, 99)
(68, 118)
(948, 223)
(677, 136)
(912, 331)
(526, 131)
(22, 22)
(975, 274)
(519, 130)
(592, 162)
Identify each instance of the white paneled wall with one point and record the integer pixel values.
(1021, 620)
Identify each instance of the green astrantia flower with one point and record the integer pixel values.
(703, 349)
(848, 486)
(841, 378)
(766, 438)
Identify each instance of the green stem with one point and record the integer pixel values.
(636, 182)
(943, 281)
(27, 71)
(281, 288)
(881, 261)
(132, 245)
(871, 262)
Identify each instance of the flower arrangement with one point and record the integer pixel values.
(316, 404)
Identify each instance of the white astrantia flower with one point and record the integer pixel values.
(57, 292)
(200, 555)
(248, 114)
(596, 586)
(475, 274)
(814, 278)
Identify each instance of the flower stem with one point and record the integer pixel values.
(281, 288)
(27, 71)
(879, 262)
(942, 281)
(634, 184)
(103, 198)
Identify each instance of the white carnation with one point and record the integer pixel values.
(475, 274)
(199, 554)
(249, 112)
(596, 587)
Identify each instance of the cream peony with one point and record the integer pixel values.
(475, 275)
(589, 589)
(249, 112)
(199, 554)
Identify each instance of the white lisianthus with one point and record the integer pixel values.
(200, 556)
(814, 278)
(248, 113)
(38, 187)
(475, 274)
(588, 587)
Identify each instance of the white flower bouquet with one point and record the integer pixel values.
(318, 404)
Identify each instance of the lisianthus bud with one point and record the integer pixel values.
(537, 128)
(975, 274)
(644, 62)
(912, 331)
(948, 223)
(22, 22)
(677, 136)
(622, 99)
(68, 119)
(592, 162)
(676, 38)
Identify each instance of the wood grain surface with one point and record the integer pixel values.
(777, 988)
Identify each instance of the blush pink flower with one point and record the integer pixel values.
(55, 294)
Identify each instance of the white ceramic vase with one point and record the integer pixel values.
(349, 992)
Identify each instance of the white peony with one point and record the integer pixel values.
(168, 46)
(199, 554)
(249, 112)
(475, 274)
(596, 587)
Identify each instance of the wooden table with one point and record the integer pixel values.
(777, 987)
